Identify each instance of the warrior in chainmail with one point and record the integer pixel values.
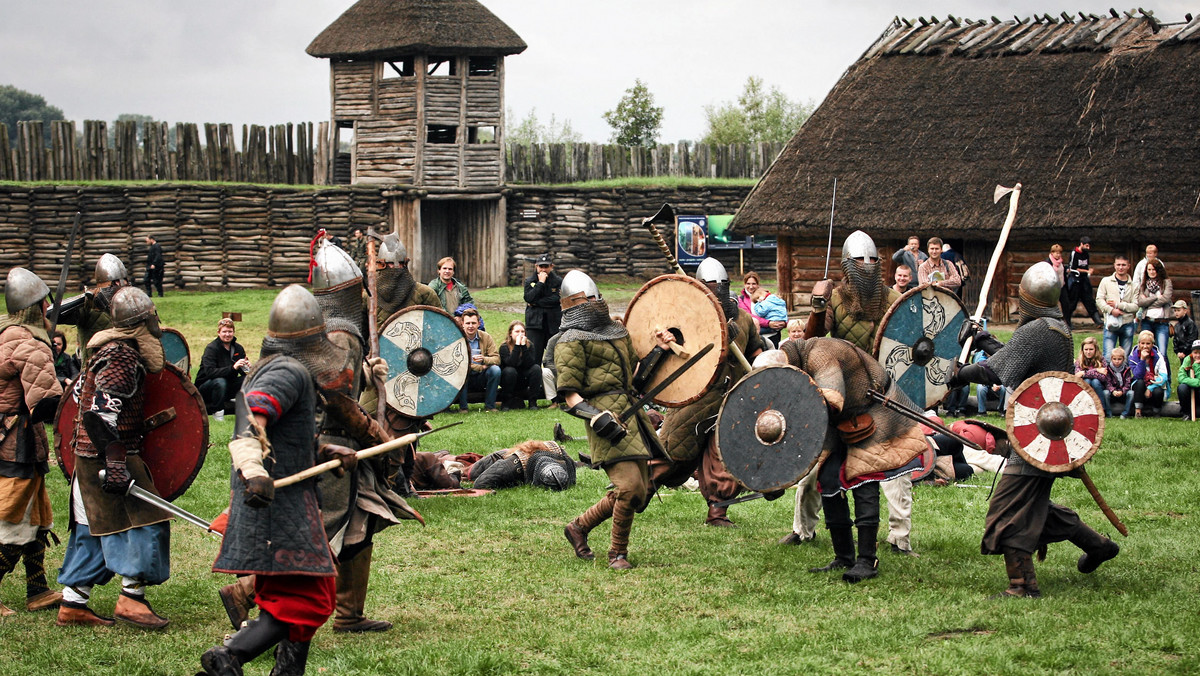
(113, 533)
(89, 311)
(272, 534)
(689, 431)
(852, 311)
(534, 463)
(1021, 518)
(866, 443)
(598, 373)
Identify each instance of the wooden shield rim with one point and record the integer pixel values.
(887, 316)
(717, 431)
(672, 360)
(66, 455)
(1011, 408)
(186, 347)
(427, 308)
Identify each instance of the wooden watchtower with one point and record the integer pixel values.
(417, 91)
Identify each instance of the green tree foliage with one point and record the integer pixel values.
(140, 120)
(759, 115)
(530, 130)
(18, 105)
(636, 121)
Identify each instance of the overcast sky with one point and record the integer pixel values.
(243, 61)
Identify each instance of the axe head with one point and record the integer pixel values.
(665, 215)
(1001, 191)
(372, 234)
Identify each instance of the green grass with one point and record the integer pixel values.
(489, 586)
(159, 184)
(656, 182)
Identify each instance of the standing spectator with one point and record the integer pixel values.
(222, 369)
(1079, 282)
(904, 279)
(1119, 389)
(938, 271)
(745, 300)
(1185, 329)
(1117, 298)
(358, 250)
(1139, 271)
(1090, 366)
(912, 257)
(66, 366)
(1154, 299)
(1189, 382)
(773, 309)
(1150, 384)
(1055, 259)
(542, 305)
(954, 258)
(154, 267)
(449, 290)
(520, 371)
(485, 363)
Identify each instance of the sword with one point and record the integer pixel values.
(62, 276)
(637, 405)
(912, 414)
(150, 498)
(740, 498)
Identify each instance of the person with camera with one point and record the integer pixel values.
(222, 369)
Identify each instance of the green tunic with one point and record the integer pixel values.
(601, 371)
(839, 323)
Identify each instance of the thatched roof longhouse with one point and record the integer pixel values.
(383, 29)
(1098, 117)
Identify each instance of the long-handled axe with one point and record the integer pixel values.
(1015, 196)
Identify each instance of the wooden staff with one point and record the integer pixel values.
(1108, 512)
(362, 455)
(991, 271)
(373, 326)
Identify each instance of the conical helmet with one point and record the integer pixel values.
(110, 269)
(294, 314)
(23, 289)
(332, 266)
(860, 245)
(1040, 285)
(577, 288)
(711, 271)
(392, 250)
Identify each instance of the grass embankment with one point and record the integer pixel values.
(489, 586)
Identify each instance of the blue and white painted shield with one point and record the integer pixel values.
(175, 350)
(917, 343)
(428, 360)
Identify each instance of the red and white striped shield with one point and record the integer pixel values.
(1055, 421)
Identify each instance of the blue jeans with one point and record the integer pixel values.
(487, 380)
(1126, 400)
(218, 393)
(981, 398)
(1098, 386)
(1124, 334)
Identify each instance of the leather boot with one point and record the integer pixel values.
(5, 611)
(577, 531)
(238, 599)
(622, 525)
(843, 551)
(866, 566)
(249, 642)
(578, 540)
(795, 538)
(352, 580)
(136, 610)
(1096, 549)
(290, 658)
(79, 615)
(47, 599)
(717, 516)
(1022, 581)
(34, 556)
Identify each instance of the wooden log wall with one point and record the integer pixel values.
(278, 154)
(567, 163)
(599, 229)
(213, 237)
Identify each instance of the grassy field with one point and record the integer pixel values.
(490, 586)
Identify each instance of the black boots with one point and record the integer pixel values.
(1096, 549)
(255, 639)
(290, 658)
(843, 551)
(867, 564)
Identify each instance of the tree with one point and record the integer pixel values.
(636, 121)
(758, 116)
(140, 120)
(530, 130)
(18, 105)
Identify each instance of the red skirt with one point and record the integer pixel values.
(303, 602)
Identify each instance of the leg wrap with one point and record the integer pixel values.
(596, 514)
(9, 555)
(622, 524)
(34, 554)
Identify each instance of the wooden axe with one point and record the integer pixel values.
(1001, 191)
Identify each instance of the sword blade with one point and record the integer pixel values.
(148, 497)
(66, 269)
(739, 499)
(921, 418)
(650, 394)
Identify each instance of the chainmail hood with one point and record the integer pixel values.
(1031, 310)
(590, 321)
(729, 304)
(864, 291)
(394, 286)
(324, 361)
(342, 307)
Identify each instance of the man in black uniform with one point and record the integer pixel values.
(542, 305)
(1021, 518)
(154, 266)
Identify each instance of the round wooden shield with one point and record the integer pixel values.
(917, 343)
(428, 360)
(771, 428)
(691, 312)
(1055, 421)
(176, 431)
(175, 349)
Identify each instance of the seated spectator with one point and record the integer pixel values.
(520, 374)
(535, 463)
(983, 393)
(1185, 329)
(904, 279)
(795, 330)
(449, 290)
(66, 366)
(1189, 382)
(1090, 366)
(222, 369)
(1118, 391)
(485, 364)
(750, 285)
(1154, 298)
(938, 271)
(773, 309)
(1150, 384)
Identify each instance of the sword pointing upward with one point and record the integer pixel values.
(148, 497)
(62, 275)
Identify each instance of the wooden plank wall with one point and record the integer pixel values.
(567, 163)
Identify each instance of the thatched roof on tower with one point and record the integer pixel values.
(392, 28)
(1098, 117)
